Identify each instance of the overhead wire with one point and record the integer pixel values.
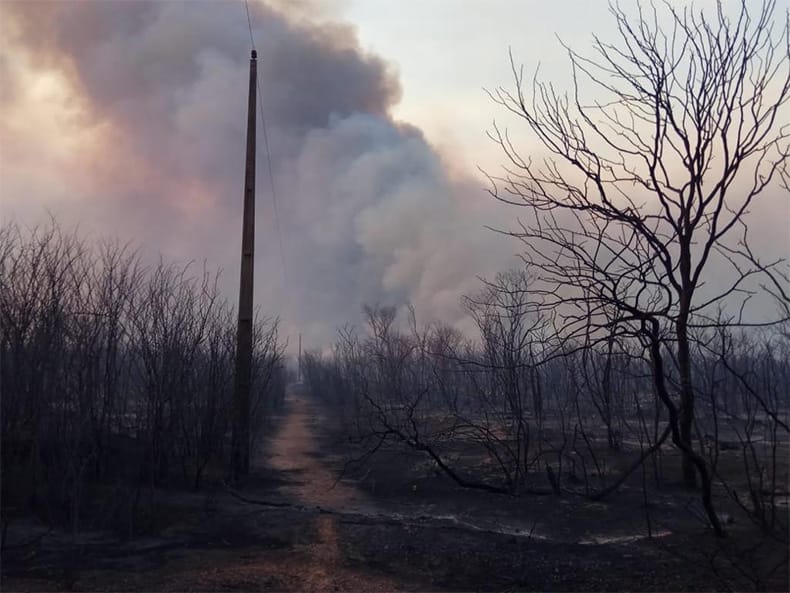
(271, 183)
(249, 23)
(268, 158)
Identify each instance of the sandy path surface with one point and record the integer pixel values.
(312, 483)
(293, 449)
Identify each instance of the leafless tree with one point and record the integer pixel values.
(114, 376)
(510, 334)
(645, 188)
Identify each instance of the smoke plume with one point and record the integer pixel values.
(135, 114)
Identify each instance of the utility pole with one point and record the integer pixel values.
(241, 419)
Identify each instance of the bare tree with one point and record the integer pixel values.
(509, 336)
(646, 187)
(114, 376)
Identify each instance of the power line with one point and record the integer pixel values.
(271, 184)
(249, 23)
(268, 158)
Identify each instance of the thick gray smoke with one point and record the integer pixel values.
(367, 209)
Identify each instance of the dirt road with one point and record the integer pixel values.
(293, 451)
(312, 483)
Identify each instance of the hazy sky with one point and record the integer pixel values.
(128, 118)
(448, 51)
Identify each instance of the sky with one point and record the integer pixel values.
(127, 118)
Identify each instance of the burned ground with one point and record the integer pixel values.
(392, 524)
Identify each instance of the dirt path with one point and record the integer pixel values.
(292, 451)
(312, 483)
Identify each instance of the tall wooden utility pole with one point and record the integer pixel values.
(241, 418)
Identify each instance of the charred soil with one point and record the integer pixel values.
(306, 522)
